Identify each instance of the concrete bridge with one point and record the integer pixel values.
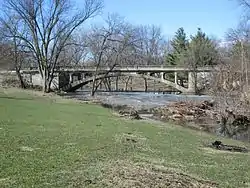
(69, 79)
(74, 85)
(130, 69)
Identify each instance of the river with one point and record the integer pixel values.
(138, 100)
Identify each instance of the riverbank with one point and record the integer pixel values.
(156, 107)
(201, 113)
(49, 141)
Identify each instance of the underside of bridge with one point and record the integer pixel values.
(84, 79)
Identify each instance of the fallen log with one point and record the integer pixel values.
(220, 146)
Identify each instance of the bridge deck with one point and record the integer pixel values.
(124, 69)
(138, 69)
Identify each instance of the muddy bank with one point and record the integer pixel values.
(202, 116)
(195, 115)
(206, 116)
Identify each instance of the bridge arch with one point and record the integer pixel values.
(71, 87)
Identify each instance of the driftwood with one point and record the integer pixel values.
(186, 111)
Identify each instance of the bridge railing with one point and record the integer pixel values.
(118, 67)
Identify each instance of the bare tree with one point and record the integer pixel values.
(15, 53)
(49, 25)
(150, 44)
(5, 56)
(148, 49)
(75, 53)
(230, 85)
(106, 46)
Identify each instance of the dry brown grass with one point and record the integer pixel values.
(127, 174)
(133, 140)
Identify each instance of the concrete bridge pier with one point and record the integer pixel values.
(83, 76)
(30, 79)
(175, 78)
(191, 83)
(162, 75)
(70, 77)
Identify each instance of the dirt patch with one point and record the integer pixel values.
(133, 140)
(129, 136)
(123, 111)
(127, 174)
(132, 114)
(26, 148)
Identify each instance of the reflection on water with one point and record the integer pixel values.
(138, 99)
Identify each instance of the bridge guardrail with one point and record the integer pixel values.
(129, 68)
(105, 67)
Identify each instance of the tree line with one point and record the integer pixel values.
(48, 34)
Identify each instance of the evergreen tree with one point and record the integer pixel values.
(201, 50)
(179, 45)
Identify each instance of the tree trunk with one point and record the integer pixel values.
(145, 85)
(101, 84)
(105, 84)
(109, 84)
(116, 83)
(126, 84)
(95, 86)
(18, 64)
(20, 78)
(46, 81)
(131, 83)
(56, 85)
(46, 86)
(93, 89)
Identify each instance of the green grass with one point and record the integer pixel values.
(51, 142)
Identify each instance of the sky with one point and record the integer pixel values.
(214, 17)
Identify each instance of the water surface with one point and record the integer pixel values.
(138, 100)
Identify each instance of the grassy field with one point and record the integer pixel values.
(46, 141)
